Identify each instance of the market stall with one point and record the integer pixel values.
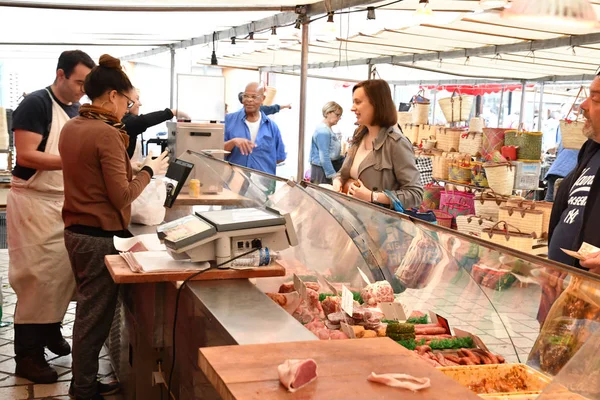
(483, 296)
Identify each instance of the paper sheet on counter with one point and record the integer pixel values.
(159, 261)
(150, 242)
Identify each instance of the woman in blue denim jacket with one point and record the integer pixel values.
(326, 148)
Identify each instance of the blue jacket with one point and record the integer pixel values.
(269, 144)
(566, 159)
(325, 148)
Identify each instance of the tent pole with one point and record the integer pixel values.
(433, 105)
(303, 82)
(370, 71)
(501, 108)
(523, 95)
(172, 86)
(542, 87)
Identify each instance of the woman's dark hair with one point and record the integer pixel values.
(107, 76)
(380, 96)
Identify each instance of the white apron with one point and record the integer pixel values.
(39, 267)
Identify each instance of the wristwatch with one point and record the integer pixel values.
(375, 197)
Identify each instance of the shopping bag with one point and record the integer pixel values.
(148, 208)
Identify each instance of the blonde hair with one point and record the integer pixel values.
(330, 107)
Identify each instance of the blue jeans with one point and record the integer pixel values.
(550, 191)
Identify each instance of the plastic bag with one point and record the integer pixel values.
(417, 268)
(571, 321)
(148, 208)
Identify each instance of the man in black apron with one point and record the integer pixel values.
(39, 268)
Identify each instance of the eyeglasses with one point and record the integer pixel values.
(252, 97)
(130, 102)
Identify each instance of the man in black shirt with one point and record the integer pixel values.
(136, 124)
(576, 212)
(39, 267)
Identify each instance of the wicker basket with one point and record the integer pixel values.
(501, 177)
(572, 134)
(457, 107)
(411, 131)
(472, 224)
(459, 172)
(544, 206)
(470, 143)
(420, 114)
(443, 218)
(493, 140)
(528, 221)
(440, 166)
(529, 143)
(404, 117)
(427, 132)
(448, 139)
(509, 238)
(478, 177)
(476, 125)
(487, 205)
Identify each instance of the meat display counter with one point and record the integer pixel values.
(491, 297)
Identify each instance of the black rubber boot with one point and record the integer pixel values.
(35, 368)
(55, 342)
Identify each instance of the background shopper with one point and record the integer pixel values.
(380, 157)
(326, 148)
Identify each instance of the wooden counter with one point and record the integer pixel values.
(225, 198)
(250, 372)
(121, 273)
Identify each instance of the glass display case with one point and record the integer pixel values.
(492, 297)
(499, 294)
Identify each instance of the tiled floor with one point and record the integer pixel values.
(15, 388)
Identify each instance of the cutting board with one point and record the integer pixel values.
(121, 273)
(250, 372)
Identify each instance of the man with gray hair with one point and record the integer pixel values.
(252, 138)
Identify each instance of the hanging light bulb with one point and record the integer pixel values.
(213, 57)
(273, 43)
(424, 10)
(570, 15)
(251, 44)
(329, 30)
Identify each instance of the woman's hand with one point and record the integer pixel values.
(592, 262)
(337, 185)
(360, 191)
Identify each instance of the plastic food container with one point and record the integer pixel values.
(470, 375)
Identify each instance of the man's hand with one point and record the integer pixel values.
(180, 114)
(592, 262)
(359, 191)
(246, 146)
(285, 106)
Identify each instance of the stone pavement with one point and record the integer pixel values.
(15, 388)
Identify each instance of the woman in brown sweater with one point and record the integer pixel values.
(99, 189)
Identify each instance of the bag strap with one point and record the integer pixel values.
(581, 89)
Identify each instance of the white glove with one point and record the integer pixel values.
(159, 165)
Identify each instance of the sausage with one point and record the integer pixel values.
(460, 353)
(485, 360)
(493, 358)
(452, 358)
(451, 363)
(431, 362)
(441, 359)
(466, 361)
(472, 356)
(501, 359)
(426, 348)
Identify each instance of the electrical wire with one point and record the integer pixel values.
(177, 305)
(356, 11)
